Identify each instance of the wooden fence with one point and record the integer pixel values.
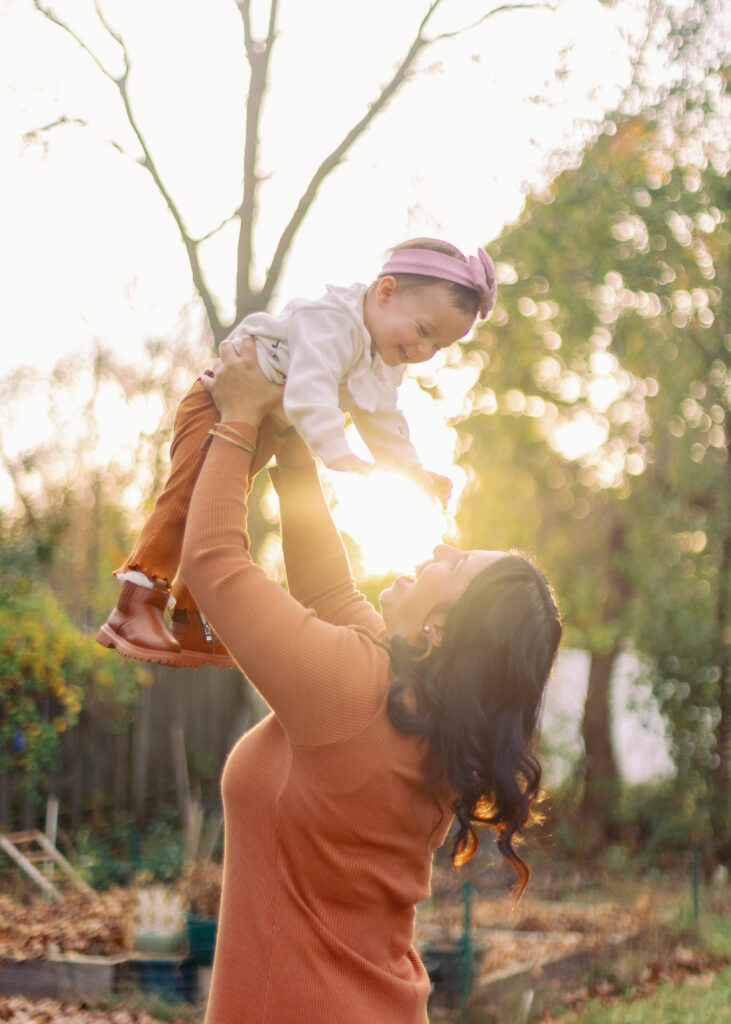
(142, 759)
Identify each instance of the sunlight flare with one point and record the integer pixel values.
(395, 524)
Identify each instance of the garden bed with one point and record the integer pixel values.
(532, 952)
(527, 948)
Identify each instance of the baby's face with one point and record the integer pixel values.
(409, 325)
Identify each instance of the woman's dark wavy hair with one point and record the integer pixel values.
(477, 697)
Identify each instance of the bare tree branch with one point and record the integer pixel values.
(47, 13)
(244, 9)
(11, 469)
(246, 300)
(191, 246)
(120, 82)
(496, 10)
(335, 157)
(214, 231)
(115, 35)
(419, 43)
(78, 122)
(258, 54)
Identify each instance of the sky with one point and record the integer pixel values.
(87, 245)
(88, 252)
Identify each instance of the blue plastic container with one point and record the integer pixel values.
(171, 980)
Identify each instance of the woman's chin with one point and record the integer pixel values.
(398, 584)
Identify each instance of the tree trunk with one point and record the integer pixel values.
(720, 776)
(5, 801)
(120, 772)
(76, 773)
(601, 776)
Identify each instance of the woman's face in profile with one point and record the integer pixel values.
(410, 602)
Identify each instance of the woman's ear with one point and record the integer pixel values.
(435, 624)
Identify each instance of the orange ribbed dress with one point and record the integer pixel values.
(329, 827)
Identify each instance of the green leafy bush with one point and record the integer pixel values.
(48, 667)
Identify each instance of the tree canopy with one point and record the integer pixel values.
(600, 436)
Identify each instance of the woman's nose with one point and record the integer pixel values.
(446, 553)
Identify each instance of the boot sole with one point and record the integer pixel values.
(194, 659)
(108, 638)
(178, 659)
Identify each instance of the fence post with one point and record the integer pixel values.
(694, 882)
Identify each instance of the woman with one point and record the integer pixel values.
(382, 729)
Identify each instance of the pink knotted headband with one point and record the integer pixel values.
(477, 273)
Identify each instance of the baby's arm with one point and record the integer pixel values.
(352, 464)
(435, 485)
(386, 433)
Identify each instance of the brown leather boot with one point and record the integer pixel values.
(199, 645)
(136, 628)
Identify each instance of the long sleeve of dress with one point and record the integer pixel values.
(324, 681)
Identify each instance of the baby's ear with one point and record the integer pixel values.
(386, 288)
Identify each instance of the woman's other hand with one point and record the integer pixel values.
(238, 387)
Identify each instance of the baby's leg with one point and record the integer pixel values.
(158, 547)
(136, 627)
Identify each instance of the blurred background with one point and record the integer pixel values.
(168, 168)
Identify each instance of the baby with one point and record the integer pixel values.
(342, 353)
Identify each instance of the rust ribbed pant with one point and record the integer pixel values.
(159, 545)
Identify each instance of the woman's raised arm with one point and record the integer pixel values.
(323, 681)
(318, 571)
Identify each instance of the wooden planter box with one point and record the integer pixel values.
(83, 977)
(60, 977)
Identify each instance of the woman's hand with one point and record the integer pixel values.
(238, 387)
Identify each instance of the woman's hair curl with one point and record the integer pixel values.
(477, 698)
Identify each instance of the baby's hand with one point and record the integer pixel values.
(433, 483)
(351, 464)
